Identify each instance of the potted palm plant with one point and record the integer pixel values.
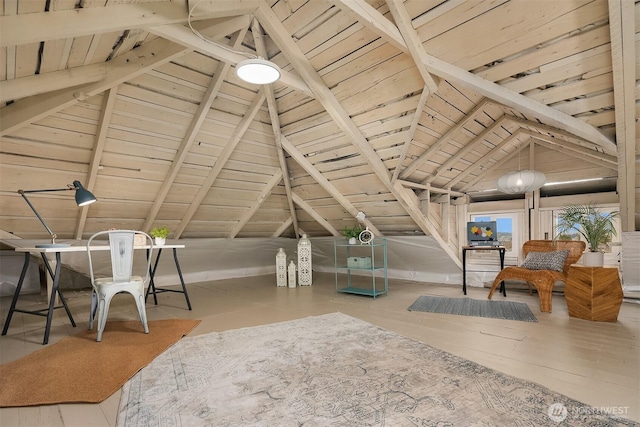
(597, 228)
(160, 234)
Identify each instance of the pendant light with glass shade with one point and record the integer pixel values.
(520, 181)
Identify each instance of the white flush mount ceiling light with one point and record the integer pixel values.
(521, 181)
(258, 71)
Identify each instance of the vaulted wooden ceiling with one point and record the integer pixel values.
(383, 107)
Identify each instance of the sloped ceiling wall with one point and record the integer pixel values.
(379, 102)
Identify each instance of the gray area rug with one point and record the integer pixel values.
(333, 370)
(507, 310)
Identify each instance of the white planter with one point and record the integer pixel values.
(353, 240)
(159, 241)
(593, 259)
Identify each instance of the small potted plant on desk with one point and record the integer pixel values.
(590, 222)
(160, 234)
(352, 234)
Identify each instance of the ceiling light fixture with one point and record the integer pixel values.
(520, 181)
(258, 71)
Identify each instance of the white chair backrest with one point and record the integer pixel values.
(121, 244)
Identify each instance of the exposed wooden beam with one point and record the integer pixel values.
(183, 35)
(411, 132)
(413, 204)
(96, 155)
(624, 60)
(47, 82)
(563, 148)
(315, 215)
(483, 160)
(324, 183)
(61, 24)
(220, 162)
(121, 69)
(464, 150)
(191, 133)
(368, 16)
(430, 188)
(257, 32)
(583, 151)
(521, 103)
(497, 164)
(283, 227)
(296, 57)
(268, 188)
(442, 140)
(414, 45)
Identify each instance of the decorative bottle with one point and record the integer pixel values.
(304, 261)
(292, 275)
(281, 268)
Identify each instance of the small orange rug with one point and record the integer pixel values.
(79, 369)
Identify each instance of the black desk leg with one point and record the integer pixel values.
(184, 288)
(152, 271)
(464, 271)
(503, 289)
(52, 300)
(25, 266)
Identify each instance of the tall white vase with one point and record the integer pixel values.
(281, 268)
(304, 261)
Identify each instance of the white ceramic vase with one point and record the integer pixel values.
(159, 241)
(353, 240)
(593, 259)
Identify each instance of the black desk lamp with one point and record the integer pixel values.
(83, 197)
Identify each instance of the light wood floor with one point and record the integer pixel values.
(596, 363)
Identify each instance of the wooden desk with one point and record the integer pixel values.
(501, 250)
(593, 293)
(55, 276)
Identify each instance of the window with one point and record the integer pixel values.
(505, 223)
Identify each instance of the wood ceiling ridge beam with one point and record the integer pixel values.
(464, 150)
(194, 127)
(573, 143)
(482, 161)
(324, 182)
(443, 139)
(221, 161)
(62, 24)
(519, 102)
(121, 69)
(272, 106)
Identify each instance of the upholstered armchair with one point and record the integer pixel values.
(546, 262)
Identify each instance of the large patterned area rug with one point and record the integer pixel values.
(334, 370)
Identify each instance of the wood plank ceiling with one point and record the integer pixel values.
(382, 105)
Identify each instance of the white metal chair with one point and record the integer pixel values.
(121, 244)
